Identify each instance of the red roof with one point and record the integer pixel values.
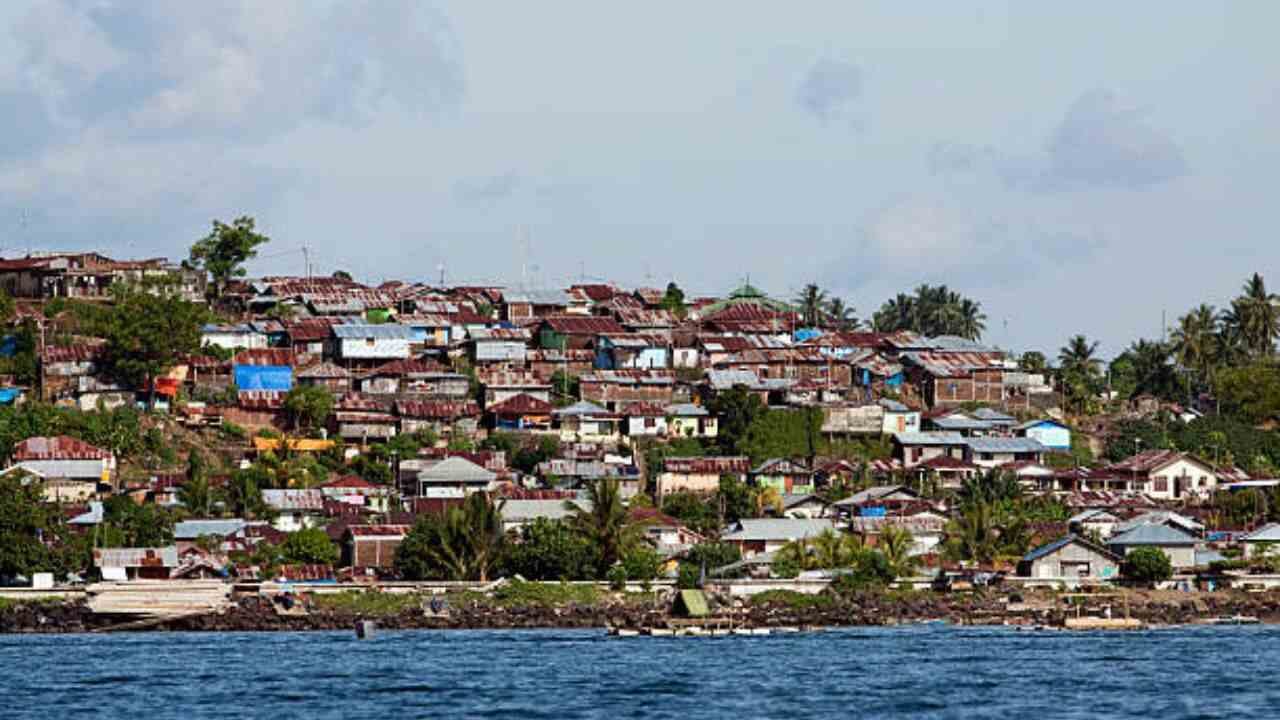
(643, 409)
(354, 482)
(61, 447)
(265, 356)
(378, 530)
(597, 293)
(522, 404)
(436, 409)
(402, 368)
(310, 330)
(946, 462)
(707, 465)
(584, 325)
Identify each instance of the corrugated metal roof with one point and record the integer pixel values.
(456, 470)
(707, 465)
(192, 529)
(388, 331)
(294, 499)
(61, 447)
(1005, 445)
(136, 557)
(929, 438)
(1152, 535)
(778, 529)
(1266, 533)
(521, 511)
(583, 325)
(1062, 542)
(521, 404)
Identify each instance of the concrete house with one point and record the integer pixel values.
(913, 448)
(690, 420)
(784, 475)
(1070, 558)
(645, 420)
(1179, 546)
(372, 546)
(766, 535)
(699, 474)
(378, 343)
(296, 508)
(991, 452)
(233, 337)
(1262, 542)
(454, 477)
(632, 352)
(1051, 433)
(71, 469)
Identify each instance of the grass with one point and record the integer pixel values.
(532, 594)
(7, 604)
(359, 602)
(792, 599)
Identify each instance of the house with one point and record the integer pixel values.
(363, 418)
(263, 370)
(71, 468)
(439, 416)
(1032, 475)
(632, 351)
(990, 452)
(784, 475)
(766, 535)
(617, 388)
(500, 345)
(913, 448)
(1179, 546)
(699, 474)
(242, 336)
(1177, 521)
(372, 343)
(1096, 520)
(372, 546)
(576, 332)
(90, 275)
(1051, 433)
(960, 423)
(1070, 558)
(927, 527)
(995, 419)
(898, 418)
(136, 563)
(645, 420)
(585, 421)
(355, 490)
(668, 535)
(690, 420)
(519, 512)
(520, 412)
(501, 386)
(326, 375)
(296, 509)
(311, 336)
(1166, 474)
(188, 533)
(1261, 542)
(805, 505)
(454, 478)
(521, 306)
(950, 472)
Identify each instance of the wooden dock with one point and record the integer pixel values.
(159, 598)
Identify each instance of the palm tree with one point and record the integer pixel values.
(604, 522)
(826, 551)
(196, 495)
(1078, 356)
(468, 539)
(1194, 340)
(768, 498)
(1152, 371)
(972, 320)
(896, 543)
(811, 301)
(841, 316)
(1255, 316)
(897, 313)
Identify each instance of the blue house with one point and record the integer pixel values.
(1051, 433)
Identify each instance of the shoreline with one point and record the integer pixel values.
(257, 614)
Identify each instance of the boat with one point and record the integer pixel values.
(1231, 620)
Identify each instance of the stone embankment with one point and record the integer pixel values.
(254, 614)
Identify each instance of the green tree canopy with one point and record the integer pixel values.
(223, 252)
(1147, 565)
(310, 546)
(308, 406)
(147, 330)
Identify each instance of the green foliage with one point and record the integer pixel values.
(1147, 565)
(7, 307)
(641, 563)
(232, 431)
(693, 510)
(223, 252)
(366, 603)
(932, 311)
(119, 430)
(736, 410)
(810, 303)
(1033, 361)
(24, 364)
(464, 543)
(147, 329)
(617, 577)
(308, 406)
(530, 594)
(551, 550)
(604, 523)
(791, 600)
(1250, 393)
(673, 300)
(310, 546)
(31, 535)
(871, 571)
(783, 433)
(566, 388)
(128, 524)
(982, 532)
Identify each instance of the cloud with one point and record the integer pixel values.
(1101, 142)
(928, 239)
(829, 88)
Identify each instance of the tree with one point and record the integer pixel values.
(932, 311)
(7, 307)
(840, 316)
(310, 546)
(1153, 375)
(811, 302)
(127, 524)
(551, 550)
(1254, 317)
(26, 522)
(1250, 393)
(1033, 361)
(973, 322)
(1079, 370)
(149, 327)
(1147, 565)
(223, 252)
(342, 275)
(464, 543)
(896, 544)
(604, 522)
(308, 406)
(673, 300)
(692, 510)
(1195, 342)
(736, 409)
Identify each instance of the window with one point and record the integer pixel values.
(651, 422)
(986, 456)
(368, 342)
(1162, 484)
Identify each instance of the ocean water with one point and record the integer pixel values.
(906, 672)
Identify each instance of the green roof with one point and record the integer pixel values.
(692, 603)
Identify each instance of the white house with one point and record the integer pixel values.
(1179, 546)
(71, 468)
(1262, 542)
(233, 337)
(296, 509)
(899, 418)
(373, 342)
(689, 420)
(1051, 433)
(646, 420)
(1166, 474)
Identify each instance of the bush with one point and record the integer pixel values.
(642, 563)
(617, 577)
(871, 571)
(1147, 564)
(311, 546)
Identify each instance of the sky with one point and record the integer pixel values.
(1076, 167)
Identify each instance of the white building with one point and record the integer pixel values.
(373, 342)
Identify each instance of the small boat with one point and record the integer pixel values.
(660, 632)
(786, 629)
(1232, 620)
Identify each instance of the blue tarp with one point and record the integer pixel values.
(264, 377)
(872, 511)
(804, 334)
(8, 395)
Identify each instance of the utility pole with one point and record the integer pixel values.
(306, 261)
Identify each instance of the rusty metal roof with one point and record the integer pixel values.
(707, 465)
(436, 409)
(583, 325)
(266, 357)
(61, 447)
(521, 404)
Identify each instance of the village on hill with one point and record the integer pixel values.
(181, 421)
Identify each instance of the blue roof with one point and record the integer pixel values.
(264, 377)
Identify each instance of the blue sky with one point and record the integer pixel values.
(1076, 167)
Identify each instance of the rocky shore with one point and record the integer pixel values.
(254, 614)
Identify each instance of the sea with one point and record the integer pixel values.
(900, 672)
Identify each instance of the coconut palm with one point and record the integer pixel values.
(196, 495)
(827, 550)
(1078, 356)
(767, 499)
(896, 543)
(1195, 340)
(841, 316)
(810, 303)
(604, 522)
(1151, 369)
(467, 540)
(1255, 316)
(972, 320)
